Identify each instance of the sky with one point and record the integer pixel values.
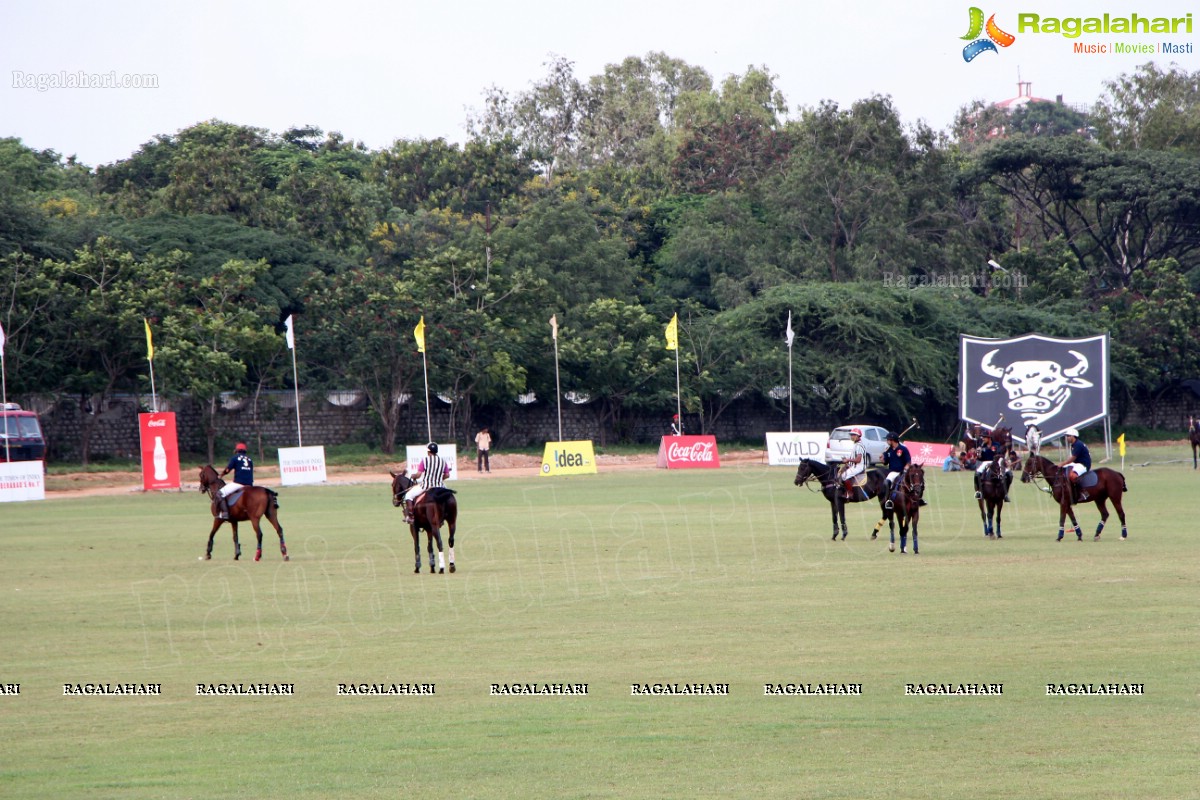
(380, 71)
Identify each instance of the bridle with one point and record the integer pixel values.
(910, 488)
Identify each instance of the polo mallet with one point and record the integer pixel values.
(915, 424)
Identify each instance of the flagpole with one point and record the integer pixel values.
(790, 404)
(4, 399)
(557, 383)
(296, 389)
(153, 391)
(428, 416)
(678, 396)
(790, 335)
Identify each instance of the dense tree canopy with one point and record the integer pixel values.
(612, 202)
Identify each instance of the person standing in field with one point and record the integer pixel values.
(483, 444)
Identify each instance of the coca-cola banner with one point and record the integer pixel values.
(688, 452)
(22, 480)
(301, 465)
(568, 458)
(160, 451)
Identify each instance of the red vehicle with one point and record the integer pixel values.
(20, 435)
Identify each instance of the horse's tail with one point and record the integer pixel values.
(274, 496)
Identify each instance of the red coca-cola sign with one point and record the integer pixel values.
(688, 452)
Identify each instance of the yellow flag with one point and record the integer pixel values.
(1121, 444)
(554, 327)
(673, 333)
(149, 340)
(419, 332)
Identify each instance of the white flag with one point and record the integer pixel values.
(291, 338)
(1, 341)
(791, 334)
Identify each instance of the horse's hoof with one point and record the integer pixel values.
(835, 536)
(417, 571)
(258, 556)
(452, 567)
(843, 537)
(873, 535)
(286, 557)
(442, 571)
(891, 548)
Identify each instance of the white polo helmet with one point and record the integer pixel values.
(1072, 432)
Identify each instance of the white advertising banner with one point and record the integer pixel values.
(789, 449)
(301, 465)
(22, 480)
(415, 453)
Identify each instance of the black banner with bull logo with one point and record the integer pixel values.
(1052, 383)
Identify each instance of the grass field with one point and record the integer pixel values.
(622, 578)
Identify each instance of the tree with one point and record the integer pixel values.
(1151, 109)
(1117, 212)
(104, 294)
(613, 354)
(208, 337)
(361, 323)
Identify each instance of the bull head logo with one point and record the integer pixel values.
(1037, 390)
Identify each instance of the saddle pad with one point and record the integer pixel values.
(1088, 479)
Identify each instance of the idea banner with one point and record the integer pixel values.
(568, 458)
(160, 451)
(688, 452)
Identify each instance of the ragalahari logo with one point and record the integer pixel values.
(995, 36)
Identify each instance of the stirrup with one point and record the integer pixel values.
(888, 505)
(978, 495)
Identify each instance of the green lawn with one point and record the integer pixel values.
(713, 577)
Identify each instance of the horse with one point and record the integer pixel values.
(1194, 438)
(1002, 443)
(993, 486)
(254, 503)
(831, 487)
(430, 510)
(908, 506)
(1110, 486)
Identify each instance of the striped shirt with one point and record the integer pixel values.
(432, 472)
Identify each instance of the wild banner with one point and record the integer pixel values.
(1052, 383)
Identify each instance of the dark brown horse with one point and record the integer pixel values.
(1194, 438)
(254, 503)
(430, 511)
(831, 487)
(1110, 485)
(908, 506)
(993, 488)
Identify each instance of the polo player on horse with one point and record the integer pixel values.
(988, 457)
(1078, 463)
(431, 473)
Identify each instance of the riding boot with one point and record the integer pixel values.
(849, 492)
(887, 488)
(1007, 486)
(408, 511)
(222, 507)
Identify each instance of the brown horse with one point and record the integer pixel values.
(1194, 438)
(254, 503)
(430, 510)
(831, 487)
(993, 488)
(1110, 486)
(908, 506)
